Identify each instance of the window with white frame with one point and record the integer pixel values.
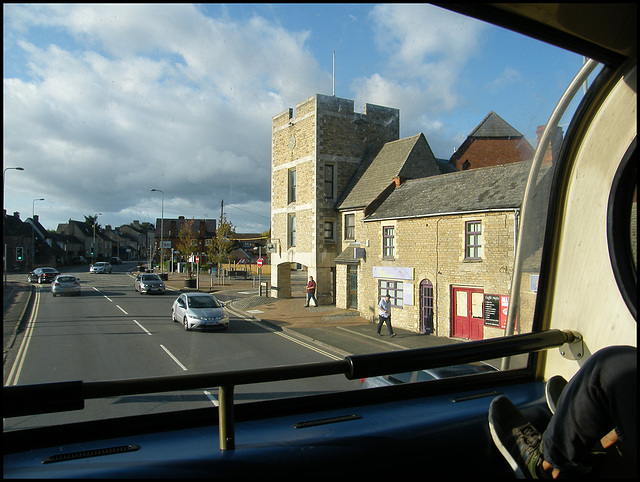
(292, 230)
(388, 241)
(473, 240)
(393, 289)
(292, 185)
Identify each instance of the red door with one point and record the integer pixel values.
(468, 315)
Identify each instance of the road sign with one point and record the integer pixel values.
(260, 262)
(197, 259)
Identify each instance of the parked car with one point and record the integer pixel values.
(100, 267)
(79, 260)
(428, 374)
(115, 260)
(199, 310)
(43, 275)
(149, 283)
(65, 284)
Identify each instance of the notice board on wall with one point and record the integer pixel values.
(492, 310)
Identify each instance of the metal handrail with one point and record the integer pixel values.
(21, 400)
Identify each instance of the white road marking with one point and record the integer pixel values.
(174, 358)
(296, 340)
(147, 331)
(211, 397)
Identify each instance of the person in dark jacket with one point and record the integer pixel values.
(311, 292)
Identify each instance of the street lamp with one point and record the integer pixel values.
(93, 254)
(3, 205)
(161, 231)
(3, 176)
(33, 228)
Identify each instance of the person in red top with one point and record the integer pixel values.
(311, 292)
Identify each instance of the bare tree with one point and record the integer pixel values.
(187, 242)
(221, 247)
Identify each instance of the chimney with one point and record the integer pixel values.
(36, 218)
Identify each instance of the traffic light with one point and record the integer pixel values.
(19, 253)
(92, 250)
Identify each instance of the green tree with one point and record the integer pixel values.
(187, 242)
(221, 247)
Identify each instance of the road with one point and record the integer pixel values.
(111, 332)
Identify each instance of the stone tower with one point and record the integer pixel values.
(314, 154)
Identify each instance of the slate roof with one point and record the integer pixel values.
(407, 158)
(12, 225)
(495, 126)
(491, 188)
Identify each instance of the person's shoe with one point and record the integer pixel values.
(379, 334)
(306, 306)
(517, 440)
(553, 390)
(392, 335)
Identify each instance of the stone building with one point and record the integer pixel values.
(314, 155)
(442, 247)
(370, 214)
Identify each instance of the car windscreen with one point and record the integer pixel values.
(203, 302)
(65, 279)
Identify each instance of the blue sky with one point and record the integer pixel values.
(104, 102)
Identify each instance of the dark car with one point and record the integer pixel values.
(43, 275)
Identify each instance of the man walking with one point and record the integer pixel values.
(311, 292)
(384, 315)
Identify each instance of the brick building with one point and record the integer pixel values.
(493, 142)
(204, 230)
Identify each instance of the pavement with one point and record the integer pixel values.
(341, 331)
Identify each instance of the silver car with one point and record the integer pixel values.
(427, 374)
(100, 267)
(199, 310)
(149, 283)
(65, 284)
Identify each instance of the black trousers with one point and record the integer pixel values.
(599, 398)
(387, 320)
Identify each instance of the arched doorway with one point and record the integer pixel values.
(426, 307)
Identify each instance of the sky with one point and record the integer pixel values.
(103, 103)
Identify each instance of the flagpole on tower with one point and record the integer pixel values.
(334, 73)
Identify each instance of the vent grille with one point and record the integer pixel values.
(324, 421)
(90, 453)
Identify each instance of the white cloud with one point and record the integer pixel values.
(427, 49)
(153, 96)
